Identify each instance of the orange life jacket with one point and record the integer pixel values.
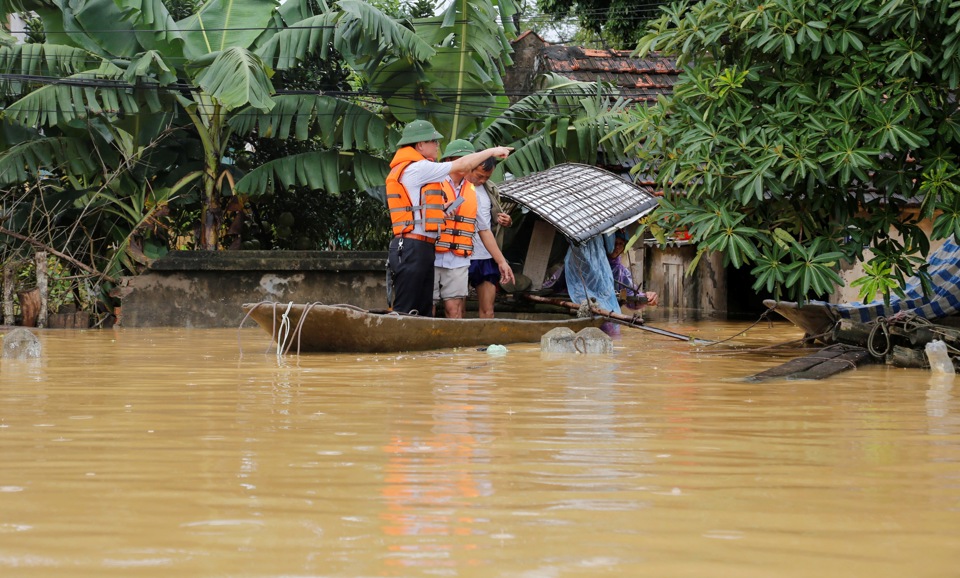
(403, 213)
(457, 232)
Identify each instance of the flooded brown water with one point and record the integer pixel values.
(166, 453)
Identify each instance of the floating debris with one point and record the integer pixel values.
(20, 344)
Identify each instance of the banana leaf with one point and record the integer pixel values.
(222, 24)
(335, 122)
(329, 171)
(26, 161)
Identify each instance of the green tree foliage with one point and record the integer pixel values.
(564, 121)
(421, 8)
(799, 130)
(34, 29)
(618, 22)
(180, 9)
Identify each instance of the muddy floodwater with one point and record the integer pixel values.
(167, 453)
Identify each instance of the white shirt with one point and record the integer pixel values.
(447, 259)
(483, 224)
(414, 177)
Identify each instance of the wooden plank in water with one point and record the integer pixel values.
(818, 365)
(846, 361)
(796, 365)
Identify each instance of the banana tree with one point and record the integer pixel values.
(101, 188)
(564, 121)
(447, 68)
(460, 87)
(111, 60)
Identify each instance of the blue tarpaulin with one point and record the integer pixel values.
(944, 273)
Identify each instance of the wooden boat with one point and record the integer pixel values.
(899, 340)
(823, 321)
(313, 327)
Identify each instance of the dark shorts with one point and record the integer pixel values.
(412, 269)
(483, 270)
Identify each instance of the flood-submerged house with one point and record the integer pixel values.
(642, 81)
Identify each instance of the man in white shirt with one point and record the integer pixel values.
(487, 264)
(454, 247)
(414, 197)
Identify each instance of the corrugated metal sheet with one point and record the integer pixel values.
(581, 201)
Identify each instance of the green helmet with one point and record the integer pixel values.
(418, 131)
(458, 148)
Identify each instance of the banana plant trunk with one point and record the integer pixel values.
(210, 213)
(209, 128)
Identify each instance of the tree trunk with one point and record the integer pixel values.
(9, 279)
(210, 213)
(29, 306)
(40, 257)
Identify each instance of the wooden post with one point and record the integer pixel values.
(29, 307)
(710, 293)
(41, 260)
(636, 258)
(9, 281)
(538, 253)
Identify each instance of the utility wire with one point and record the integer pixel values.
(573, 18)
(95, 82)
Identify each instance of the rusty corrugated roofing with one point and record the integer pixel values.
(640, 79)
(581, 201)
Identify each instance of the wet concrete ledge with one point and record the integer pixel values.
(205, 289)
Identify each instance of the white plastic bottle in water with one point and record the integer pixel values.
(940, 362)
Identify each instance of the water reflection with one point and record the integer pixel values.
(436, 470)
(940, 394)
(940, 400)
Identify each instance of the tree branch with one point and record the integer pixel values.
(52, 251)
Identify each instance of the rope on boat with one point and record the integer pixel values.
(804, 339)
(247, 316)
(299, 330)
(882, 325)
(284, 332)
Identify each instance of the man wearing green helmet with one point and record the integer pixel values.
(417, 189)
(456, 242)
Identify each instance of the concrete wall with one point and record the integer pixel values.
(206, 288)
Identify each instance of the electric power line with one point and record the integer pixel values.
(540, 18)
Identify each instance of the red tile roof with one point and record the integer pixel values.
(640, 79)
